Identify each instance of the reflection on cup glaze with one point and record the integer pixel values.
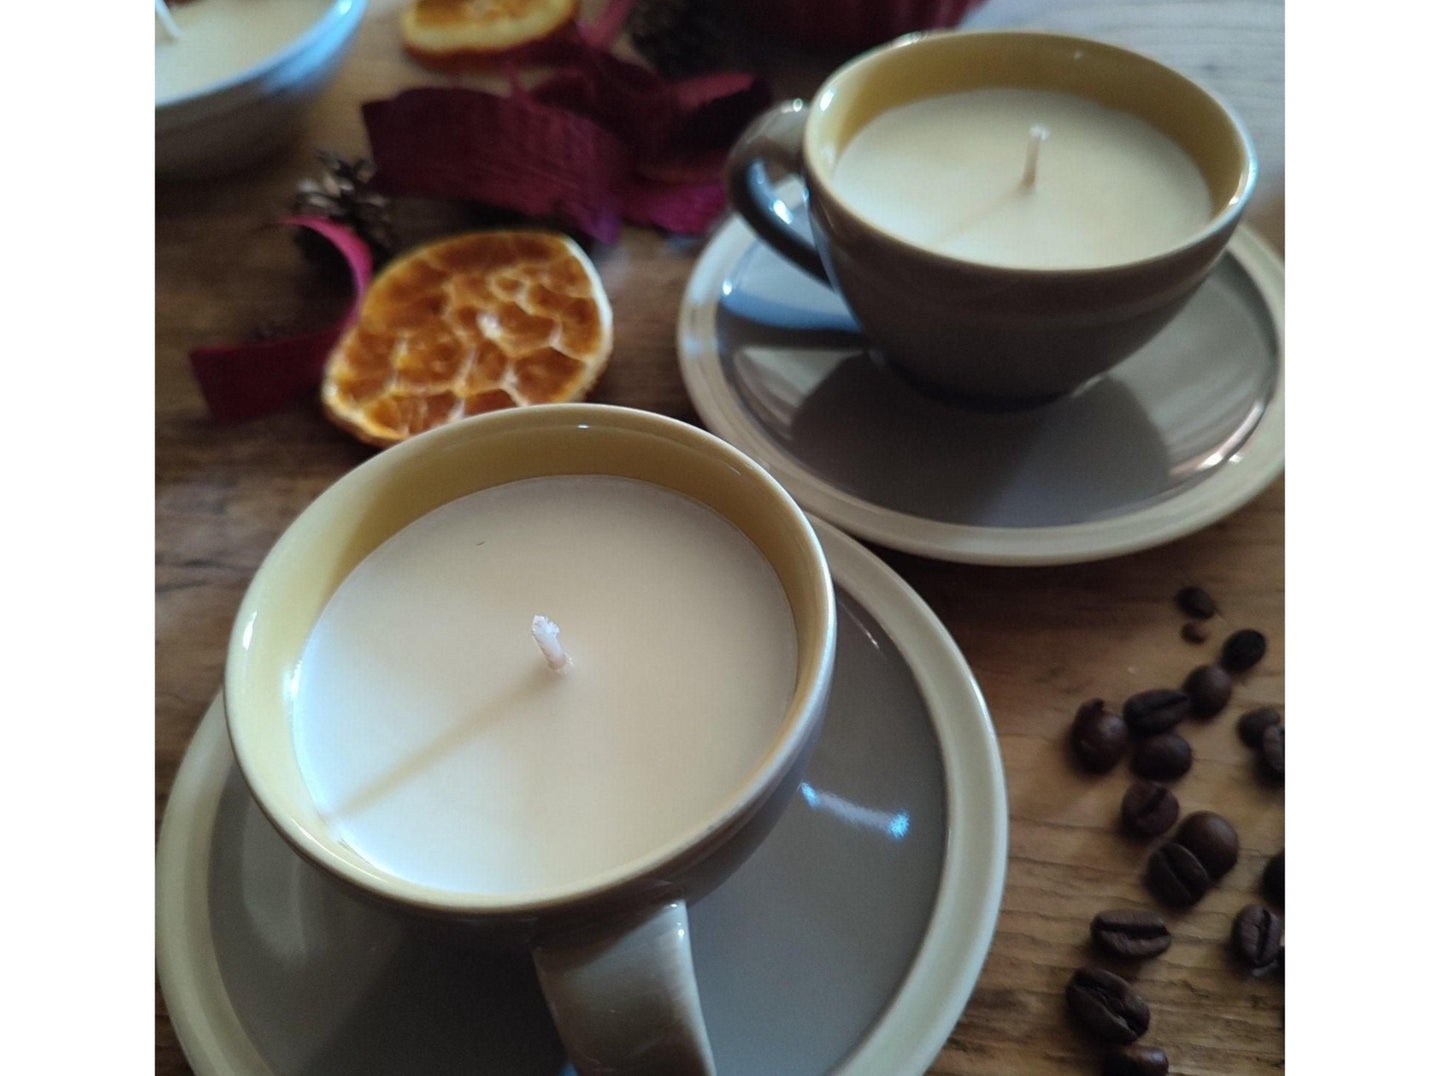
(892, 824)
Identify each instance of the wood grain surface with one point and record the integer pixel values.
(1040, 640)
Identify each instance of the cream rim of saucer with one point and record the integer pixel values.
(1247, 472)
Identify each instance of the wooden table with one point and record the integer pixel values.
(1040, 640)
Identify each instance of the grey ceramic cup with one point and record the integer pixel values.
(997, 335)
(612, 953)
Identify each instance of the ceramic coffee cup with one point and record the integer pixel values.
(236, 78)
(1028, 210)
(597, 886)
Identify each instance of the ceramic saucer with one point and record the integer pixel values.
(848, 943)
(1177, 436)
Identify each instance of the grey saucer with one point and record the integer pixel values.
(848, 943)
(1175, 437)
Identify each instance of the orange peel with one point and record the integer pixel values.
(473, 323)
(460, 32)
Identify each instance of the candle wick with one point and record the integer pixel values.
(545, 632)
(167, 20)
(1037, 134)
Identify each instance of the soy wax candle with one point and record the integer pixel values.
(441, 745)
(1006, 214)
(205, 42)
(1024, 178)
(397, 711)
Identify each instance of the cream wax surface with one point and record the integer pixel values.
(222, 38)
(946, 173)
(442, 748)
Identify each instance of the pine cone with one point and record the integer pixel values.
(679, 38)
(344, 196)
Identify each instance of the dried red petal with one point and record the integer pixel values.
(245, 381)
(588, 146)
(511, 152)
(603, 30)
(631, 100)
(715, 109)
(654, 116)
(682, 210)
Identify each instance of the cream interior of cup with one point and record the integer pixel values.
(220, 40)
(947, 63)
(413, 480)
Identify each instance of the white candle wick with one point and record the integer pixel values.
(1037, 134)
(545, 632)
(167, 20)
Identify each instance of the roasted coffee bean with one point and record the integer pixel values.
(1136, 1060)
(1243, 650)
(1163, 757)
(1213, 841)
(1130, 933)
(1196, 602)
(1195, 631)
(1256, 936)
(1272, 882)
(1156, 710)
(1099, 737)
(1107, 1006)
(1208, 688)
(1271, 752)
(1176, 876)
(1252, 725)
(1149, 809)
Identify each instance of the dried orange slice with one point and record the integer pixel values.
(472, 323)
(449, 32)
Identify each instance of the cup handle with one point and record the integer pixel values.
(624, 996)
(774, 138)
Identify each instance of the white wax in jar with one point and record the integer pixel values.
(947, 173)
(442, 748)
(222, 38)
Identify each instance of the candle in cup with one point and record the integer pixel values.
(943, 173)
(209, 41)
(440, 745)
(167, 21)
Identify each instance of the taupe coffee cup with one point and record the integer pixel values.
(991, 333)
(611, 950)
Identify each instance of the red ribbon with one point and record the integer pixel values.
(243, 381)
(601, 141)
